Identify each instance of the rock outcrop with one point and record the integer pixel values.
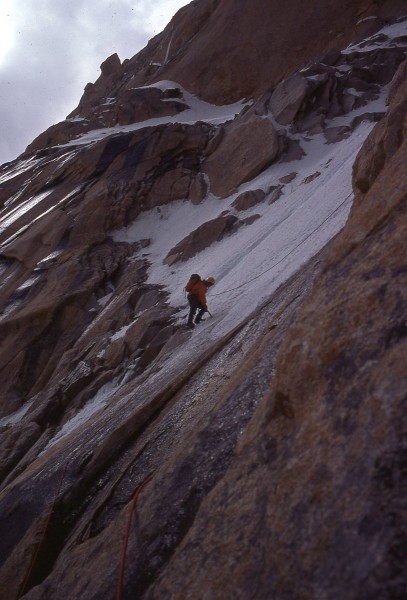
(132, 105)
(56, 265)
(288, 97)
(204, 33)
(193, 46)
(202, 237)
(338, 84)
(246, 147)
(248, 199)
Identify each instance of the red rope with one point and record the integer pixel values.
(37, 551)
(127, 534)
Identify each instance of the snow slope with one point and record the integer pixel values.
(253, 262)
(257, 259)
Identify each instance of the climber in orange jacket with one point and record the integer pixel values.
(196, 290)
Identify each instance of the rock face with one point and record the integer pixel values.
(246, 147)
(321, 465)
(205, 31)
(60, 246)
(288, 97)
(270, 449)
(248, 199)
(339, 83)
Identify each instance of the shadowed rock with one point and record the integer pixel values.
(202, 237)
(248, 146)
(288, 97)
(248, 199)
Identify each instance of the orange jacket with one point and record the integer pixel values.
(199, 289)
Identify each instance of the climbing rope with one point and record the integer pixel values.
(287, 255)
(40, 543)
(127, 534)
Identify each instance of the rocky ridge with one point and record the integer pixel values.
(101, 385)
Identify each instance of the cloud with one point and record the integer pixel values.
(50, 49)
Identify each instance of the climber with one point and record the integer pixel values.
(196, 290)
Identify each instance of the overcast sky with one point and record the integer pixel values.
(50, 49)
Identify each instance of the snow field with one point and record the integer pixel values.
(250, 264)
(253, 262)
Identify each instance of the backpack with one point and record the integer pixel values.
(192, 281)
